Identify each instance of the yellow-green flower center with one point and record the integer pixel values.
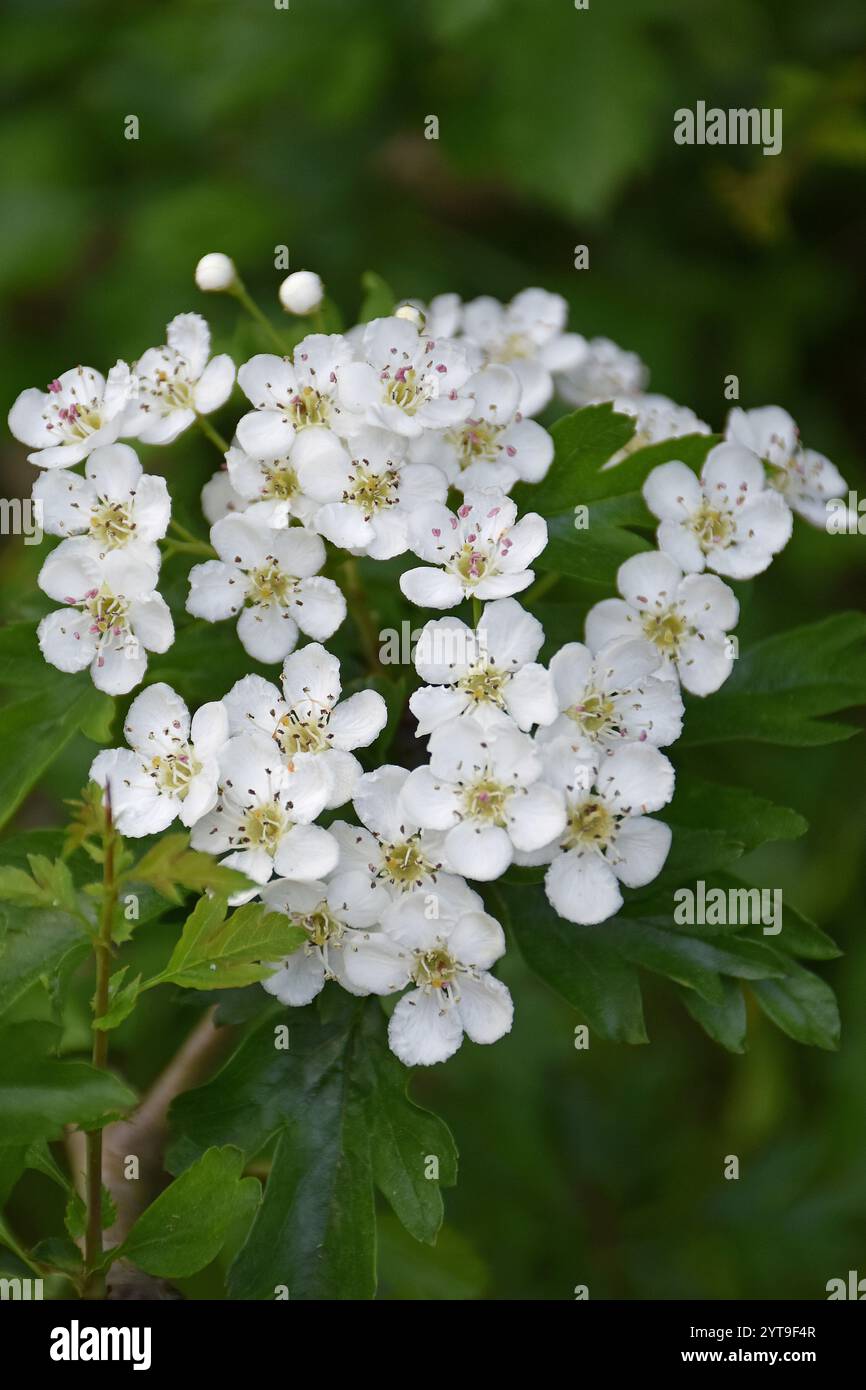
(485, 685)
(405, 864)
(296, 734)
(371, 491)
(108, 612)
(711, 527)
(111, 524)
(268, 584)
(309, 407)
(485, 800)
(590, 825)
(281, 481)
(596, 714)
(265, 825)
(434, 969)
(173, 772)
(407, 390)
(477, 440)
(666, 630)
(321, 925)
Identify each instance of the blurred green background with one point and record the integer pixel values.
(304, 126)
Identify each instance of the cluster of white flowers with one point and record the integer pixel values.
(356, 439)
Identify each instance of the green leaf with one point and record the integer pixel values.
(378, 298)
(185, 1228)
(628, 477)
(593, 555)
(803, 1006)
(780, 688)
(723, 1021)
(34, 730)
(583, 441)
(41, 942)
(39, 1095)
(59, 1253)
(216, 952)
(122, 999)
(334, 1099)
(577, 963)
(750, 819)
(170, 865)
(75, 1216)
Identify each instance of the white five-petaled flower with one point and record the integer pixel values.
(483, 789)
(389, 854)
(316, 909)
(79, 412)
(291, 393)
(269, 487)
(483, 551)
(406, 381)
(528, 335)
(447, 958)
(609, 837)
(490, 673)
(306, 718)
(365, 492)
(603, 372)
(496, 446)
(270, 577)
(727, 520)
(806, 479)
(614, 697)
(176, 382)
(115, 504)
(113, 615)
(262, 819)
(686, 618)
(171, 766)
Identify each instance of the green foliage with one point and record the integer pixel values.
(781, 686)
(39, 1095)
(186, 1226)
(334, 1100)
(170, 865)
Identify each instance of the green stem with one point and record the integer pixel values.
(539, 589)
(213, 435)
(360, 610)
(242, 295)
(95, 1284)
(187, 543)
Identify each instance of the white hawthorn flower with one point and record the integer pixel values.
(495, 446)
(291, 393)
(605, 371)
(727, 520)
(262, 819)
(299, 977)
(483, 551)
(490, 673)
(301, 292)
(171, 767)
(805, 478)
(215, 272)
(686, 618)
(259, 481)
(389, 853)
(115, 503)
(447, 959)
(79, 412)
(528, 335)
(483, 789)
(406, 381)
(656, 418)
(113, 615)
(364, 491)
(177, 382)
(307, 718)
(271, 578)
(609, 837)
(613, 698)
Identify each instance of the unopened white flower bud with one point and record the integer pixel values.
(302, 292)
(413, 314)
(215, 272)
